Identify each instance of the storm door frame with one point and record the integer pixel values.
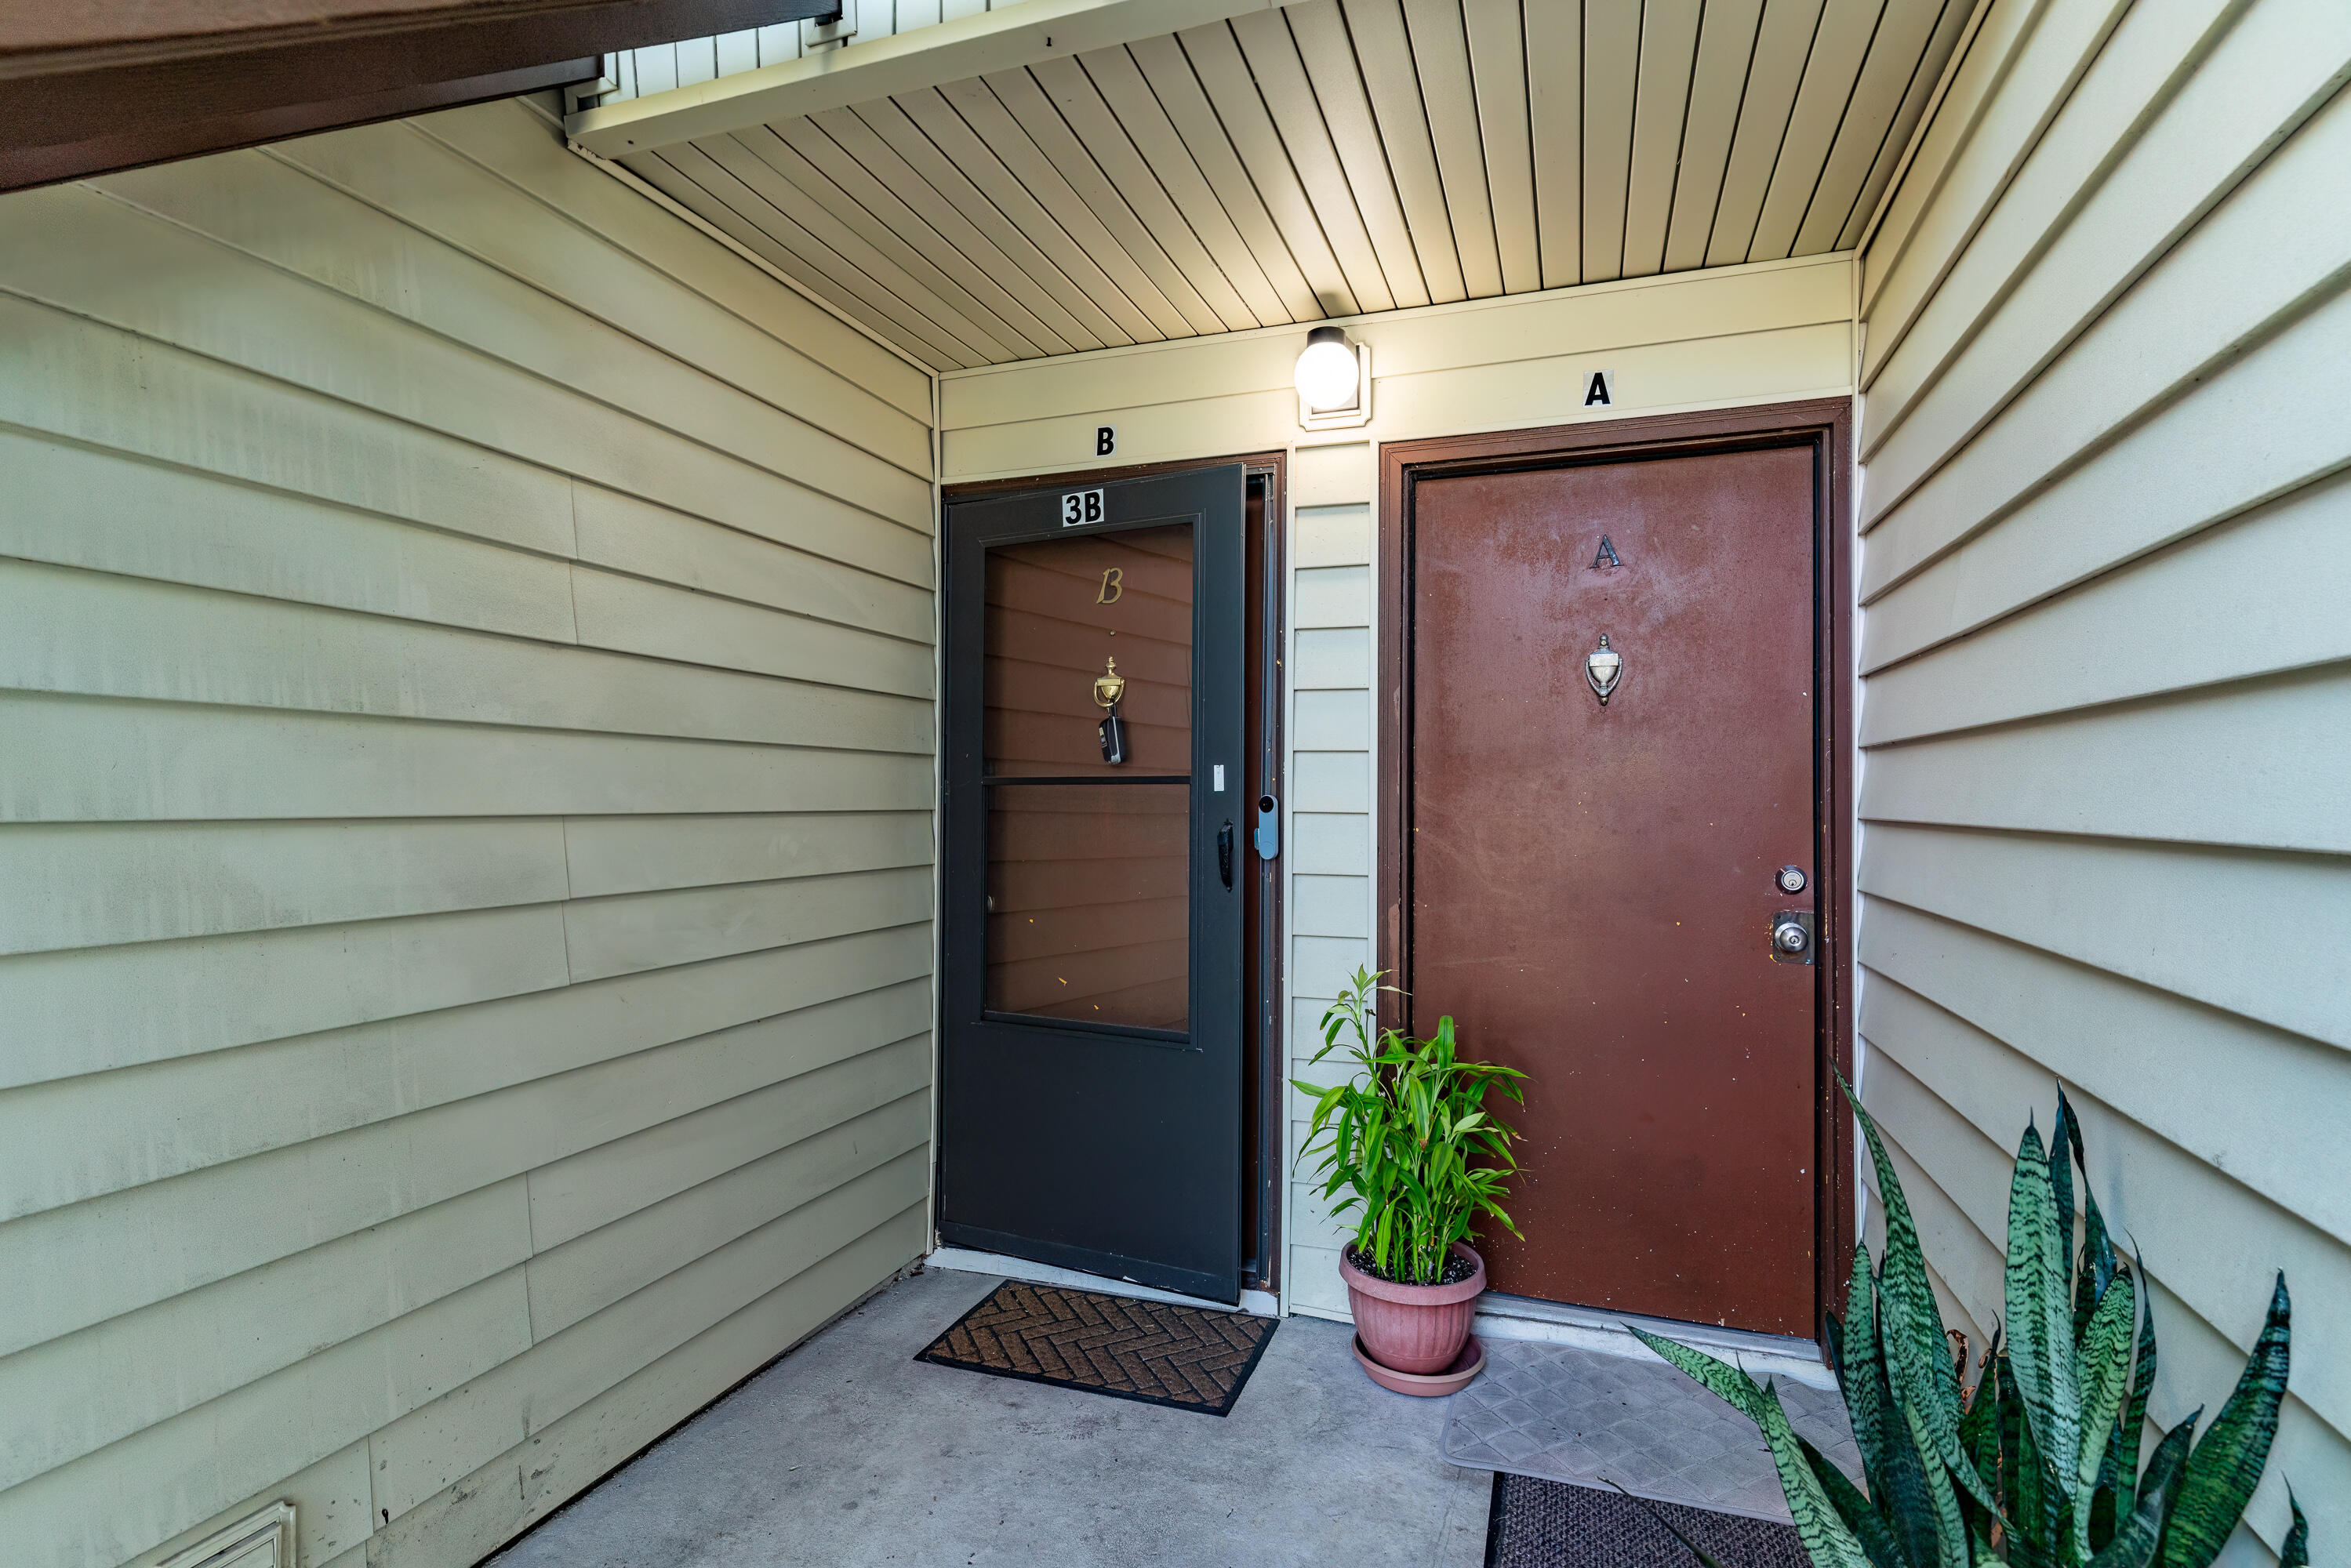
(1266, 1043)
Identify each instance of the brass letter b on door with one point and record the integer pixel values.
(1113, 583)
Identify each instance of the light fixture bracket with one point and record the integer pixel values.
(1349, 416)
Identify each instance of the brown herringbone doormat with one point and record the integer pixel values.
(1149, 1350)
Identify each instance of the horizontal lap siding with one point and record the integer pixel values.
(1329, 913)
(465, 673)
(2106, 545)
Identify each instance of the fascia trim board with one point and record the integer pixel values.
(1004, 39)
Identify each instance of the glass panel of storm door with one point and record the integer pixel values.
(1089, 904)
(1058, 612)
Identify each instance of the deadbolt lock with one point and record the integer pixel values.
(1791, 937)
(1791, 879)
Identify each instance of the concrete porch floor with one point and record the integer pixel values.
(848, 1451)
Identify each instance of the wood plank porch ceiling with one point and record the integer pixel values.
(1332, 157)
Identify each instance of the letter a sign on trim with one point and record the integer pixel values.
(1600, 390)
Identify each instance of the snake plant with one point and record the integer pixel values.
(1408, 1138)
(2039, 1463)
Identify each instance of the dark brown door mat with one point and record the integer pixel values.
(1539, 1523)
(1146, 1350)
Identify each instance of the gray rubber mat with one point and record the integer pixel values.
(1588, 1420)
(1536, 1524)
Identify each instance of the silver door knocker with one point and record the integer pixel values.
(1601, 667)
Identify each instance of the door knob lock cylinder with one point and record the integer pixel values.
(1791, 879)
(1791, 937)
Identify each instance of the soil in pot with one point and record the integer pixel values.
(1457, 1268)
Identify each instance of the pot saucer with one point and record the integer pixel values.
(1430, 1385)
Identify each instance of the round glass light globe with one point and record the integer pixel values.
(1326, 375)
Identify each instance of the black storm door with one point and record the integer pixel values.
(1089, 1090)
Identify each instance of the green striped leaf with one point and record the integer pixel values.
(1725, 1382)
(2105, 1505)
(2026, 1484)
(1980, 1427)
(2106, 1375)
(2098, 1261)
(1826, 1540)
(1950, 1531)
(1856, 1357)
(1700, 1553)
(2227, 1464)
(2140, 1533)
(2061, 1189)
(1859, 1514)
(2040, 1313)
(2131, 1433)
(1889, 1454)
(1911, 1326)
(2296, 1554)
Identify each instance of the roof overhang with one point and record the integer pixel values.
(1060, 176)
(112, 84)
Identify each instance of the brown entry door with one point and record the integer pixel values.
(1592, 889)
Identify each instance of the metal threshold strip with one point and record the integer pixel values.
(1258, 1303)
(1524, 1318)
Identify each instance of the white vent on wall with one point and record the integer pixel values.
(263, 1540)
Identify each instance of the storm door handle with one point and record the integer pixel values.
(1225, 852)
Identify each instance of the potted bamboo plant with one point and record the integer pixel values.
(1408, 1139)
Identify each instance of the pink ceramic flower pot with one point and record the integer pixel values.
(1417, 1329)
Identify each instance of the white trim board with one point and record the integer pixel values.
(1257, 1303)
(1368, 319)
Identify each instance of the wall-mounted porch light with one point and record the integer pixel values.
(1334, 381)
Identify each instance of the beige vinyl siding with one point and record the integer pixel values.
(1766, 333)
(2107, 546)
(465, 785)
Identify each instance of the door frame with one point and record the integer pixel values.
(1826, 426)
(1263, 1143)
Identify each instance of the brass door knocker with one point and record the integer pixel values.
(1108, 686)
(1603, 666)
